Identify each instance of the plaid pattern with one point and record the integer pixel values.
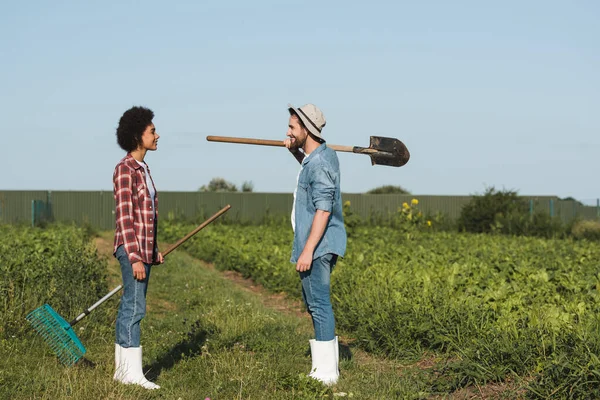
(135, 223)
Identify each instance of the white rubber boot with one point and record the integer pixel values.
(117, 360)
(337, 356)
(324, 361)
(130, 368)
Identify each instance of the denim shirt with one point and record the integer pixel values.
(319, 189)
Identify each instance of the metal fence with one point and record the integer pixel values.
(96, 208)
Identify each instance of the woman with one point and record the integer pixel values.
(136, 211)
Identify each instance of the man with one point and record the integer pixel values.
(319, 232)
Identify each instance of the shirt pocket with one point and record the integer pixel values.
(140, 190)
(303, 186)
(303, 191)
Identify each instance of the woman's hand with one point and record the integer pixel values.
(139, 271)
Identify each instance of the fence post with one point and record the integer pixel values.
(597, 207)
(530, 207)
(49, 208)
(552, 207)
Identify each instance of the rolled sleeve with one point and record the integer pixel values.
(323, 189)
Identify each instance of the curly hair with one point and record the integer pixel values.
(131, 127)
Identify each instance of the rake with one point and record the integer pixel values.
(59, 334)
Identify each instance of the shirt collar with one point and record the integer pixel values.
(132, 162)
(316, 151)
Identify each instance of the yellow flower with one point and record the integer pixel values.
(347, 203)
(414, 202)
(428, 223)
(405, 205)
(409, 216)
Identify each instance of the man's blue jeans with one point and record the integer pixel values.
(133, 303)
(316, 296)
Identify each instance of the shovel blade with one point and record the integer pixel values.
(390, 151)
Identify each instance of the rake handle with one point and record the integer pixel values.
(198, 228)
(96, 304)
(279, 143)
(177, 244)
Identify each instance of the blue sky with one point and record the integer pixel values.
(503, 94)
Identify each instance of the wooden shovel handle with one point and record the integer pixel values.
(265, 142)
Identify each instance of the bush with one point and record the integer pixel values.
(219, 185)
(57, 265)
(351, 220)
(388, 189)
(586, 230)
(505, 212)
(492, 211)
(409, 218)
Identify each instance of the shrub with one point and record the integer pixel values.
(388, 189)
(492, 211)
(505, 212)
(56, 265)
(586, 230)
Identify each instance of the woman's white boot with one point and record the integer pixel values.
(129, 367)
(324, 356)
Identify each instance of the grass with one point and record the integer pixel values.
(207, 336)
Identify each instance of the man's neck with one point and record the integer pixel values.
(310, 145)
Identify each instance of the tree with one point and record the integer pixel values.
(570, 198)
(388, 189)
(219, 185)
(247, 186)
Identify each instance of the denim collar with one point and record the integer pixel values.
(317, 150)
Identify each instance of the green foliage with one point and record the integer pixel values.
(351, 219)
(409, 218)
(219, 185)
(237, 248)
(203, 337)
(586, 229)
(57, 265)
(495, 306)
(494, 210)
(505, 212)
(388, 189)
(247, 186)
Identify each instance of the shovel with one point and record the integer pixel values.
(382, 150)
(59, 334)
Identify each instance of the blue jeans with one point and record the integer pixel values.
(316, 296)
(133, 303)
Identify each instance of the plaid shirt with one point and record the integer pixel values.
(135, 222)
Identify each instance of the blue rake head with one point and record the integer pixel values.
(57, 333)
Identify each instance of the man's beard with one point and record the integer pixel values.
(299, 143)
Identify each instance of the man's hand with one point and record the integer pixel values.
(139, 271)
(304, 261)
(316, 233)
(290, 143)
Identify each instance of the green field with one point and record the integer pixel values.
(488, 309)
(421, 314)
